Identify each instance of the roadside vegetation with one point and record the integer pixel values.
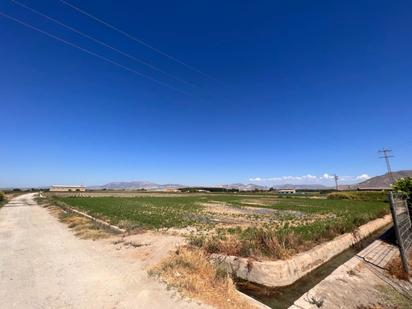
(190, 272)
(7, 195)
(2, 199)
(82, 227)
(404, 187)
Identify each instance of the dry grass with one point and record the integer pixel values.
(82, 227)
(260, 244)
(189, 270)
(395, 267)
(389, 299)
(392, 299)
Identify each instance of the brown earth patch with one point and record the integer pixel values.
(221, 208)
(148, 247)
(395, 267)
(225, 209)
(259, 202)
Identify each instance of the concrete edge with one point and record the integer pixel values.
(341, 273)
(252, 301)
(285, 272)
(99, 221)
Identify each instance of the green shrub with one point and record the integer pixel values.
(404, 186)
(2, 197)
(340, 196)
(358, 196)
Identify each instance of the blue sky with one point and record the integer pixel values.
(293, 88)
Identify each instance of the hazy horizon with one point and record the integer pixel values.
(325, 180)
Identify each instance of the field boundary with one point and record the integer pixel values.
(285, 272)
(98, 221)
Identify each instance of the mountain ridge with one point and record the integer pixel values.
(148, 185)
(377, 182)
(380, 182)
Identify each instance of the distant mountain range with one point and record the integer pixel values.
(147, 185)
(382, 181)
(242, 187)
(135, 185)
(377, 182)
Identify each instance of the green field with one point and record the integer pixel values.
(252, 221)
(135, 212)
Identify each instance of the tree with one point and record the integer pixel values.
(404, 187)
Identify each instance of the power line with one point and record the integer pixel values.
(336, 177)
(128, 35)
(101, 42)
(386, 154)
(90, 52)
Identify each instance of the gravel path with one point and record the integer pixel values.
(43, 265)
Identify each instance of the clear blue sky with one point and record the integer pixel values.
(303, 87)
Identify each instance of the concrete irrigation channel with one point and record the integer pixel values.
(279, 283)
(285, 272)
(283, 297)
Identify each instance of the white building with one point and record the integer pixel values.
(67, 188)
(287, 191)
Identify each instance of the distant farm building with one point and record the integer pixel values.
(287, 191)
(65, 188)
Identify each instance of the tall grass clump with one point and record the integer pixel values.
(252, 242)
(190, 272)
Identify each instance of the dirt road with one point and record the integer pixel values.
(43, 265)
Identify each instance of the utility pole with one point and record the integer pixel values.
(386, 154)
(336, 181)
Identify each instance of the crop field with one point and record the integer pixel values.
(240, 224)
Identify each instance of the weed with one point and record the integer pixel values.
(318, 302)
(189, 271)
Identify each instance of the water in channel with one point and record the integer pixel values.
(284, 297)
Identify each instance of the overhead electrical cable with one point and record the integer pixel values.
(91, 52)
(140, 41)
(102, 43)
